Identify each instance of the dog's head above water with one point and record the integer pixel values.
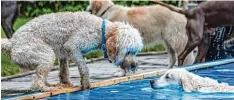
(123, 43)
(177, 76)
(171, 77)
(190, 82)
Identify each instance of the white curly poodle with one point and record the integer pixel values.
(70, 35)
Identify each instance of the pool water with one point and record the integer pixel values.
(141, 90)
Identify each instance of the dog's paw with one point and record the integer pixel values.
(85, 86)
(66, 85)
(47, 88)
(119, 74)
(84, 83)
(50, 85)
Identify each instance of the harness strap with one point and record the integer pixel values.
(103, 30)
(105, 10)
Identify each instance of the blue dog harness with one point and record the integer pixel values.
(103, 30)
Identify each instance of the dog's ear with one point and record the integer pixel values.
(111, 47)
(186, 83)
(111, 41)
(96, 5)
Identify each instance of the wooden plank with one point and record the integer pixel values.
(120, 79)
(94, 85)
(150, 74)
(41, 95)
(30, 97)
(106, 82)
(74, 89)
(136, 77)
(58, 92)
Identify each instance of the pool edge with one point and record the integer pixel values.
(124, 79)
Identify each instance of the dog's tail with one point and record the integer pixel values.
(176, 9)
(6, 45)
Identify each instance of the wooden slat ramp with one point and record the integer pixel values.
(93, 85)
(122, 79)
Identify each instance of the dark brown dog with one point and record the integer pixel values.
(207, 14)
(9, 14)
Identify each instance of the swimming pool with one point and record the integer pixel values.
(141, 90)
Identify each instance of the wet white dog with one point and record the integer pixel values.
(190, 82)
(70, 35)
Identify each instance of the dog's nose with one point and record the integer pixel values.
(110, 61)
(152, 83)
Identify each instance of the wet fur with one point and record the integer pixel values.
(67, 35)
(190, 82)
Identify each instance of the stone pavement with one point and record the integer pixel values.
(99, 70)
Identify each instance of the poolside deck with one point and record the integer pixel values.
(99, 70)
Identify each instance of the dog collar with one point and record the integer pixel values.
(103, 30)
(106, 10)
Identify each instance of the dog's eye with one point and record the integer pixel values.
(167, 76)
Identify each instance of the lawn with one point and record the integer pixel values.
(9, 68)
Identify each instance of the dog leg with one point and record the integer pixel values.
(73, 50)
(189, 47)
(40, 82)
(64, 73)
(203, 48)
(84, 73)
(10, 13)
(7, 27)
(189, 59)
(83, 69)
(193, 41)
(171, 54)
(195, 29)
(172, 58)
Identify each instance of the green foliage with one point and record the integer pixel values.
(133, 3)
(8, 68)
(37, 8)
(172, 2)
(157, 47)
(94, 54)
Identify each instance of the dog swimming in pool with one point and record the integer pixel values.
(190, 82)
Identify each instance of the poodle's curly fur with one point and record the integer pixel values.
(67, 35)
(191, 82)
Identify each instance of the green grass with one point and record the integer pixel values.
(9, 68)
(157, 47)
